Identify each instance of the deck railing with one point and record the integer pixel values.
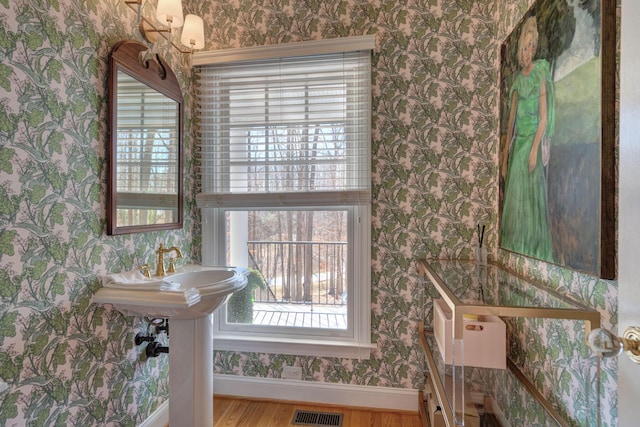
(300, 272)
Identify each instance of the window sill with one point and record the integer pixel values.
(294, 346)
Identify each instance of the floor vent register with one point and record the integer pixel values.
(317, 419)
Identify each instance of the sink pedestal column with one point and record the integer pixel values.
(191, 372)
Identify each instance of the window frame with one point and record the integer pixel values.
(355, 342)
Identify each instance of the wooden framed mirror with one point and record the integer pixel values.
(144, 176)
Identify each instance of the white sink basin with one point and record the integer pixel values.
(187, 297)
(193, 291)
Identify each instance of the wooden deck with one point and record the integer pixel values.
(300, 315)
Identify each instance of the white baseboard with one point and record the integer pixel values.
(159, 417)
(385, 398)
(316, 392)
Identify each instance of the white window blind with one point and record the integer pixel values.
(286, 131)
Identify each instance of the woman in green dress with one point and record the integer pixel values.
(525, 216)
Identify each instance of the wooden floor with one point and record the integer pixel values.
(237, 412)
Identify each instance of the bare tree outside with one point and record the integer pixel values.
(301, 253)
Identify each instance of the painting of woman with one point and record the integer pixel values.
(525, 216)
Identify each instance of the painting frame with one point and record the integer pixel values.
(557, 187)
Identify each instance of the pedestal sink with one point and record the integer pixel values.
(187, 298)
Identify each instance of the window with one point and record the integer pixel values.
(285, 172)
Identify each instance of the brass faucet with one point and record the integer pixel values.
(144, 269)
(160, 264)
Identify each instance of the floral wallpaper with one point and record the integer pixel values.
(65, 360)
(434, 178)
(68, 362)
(433, 74)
